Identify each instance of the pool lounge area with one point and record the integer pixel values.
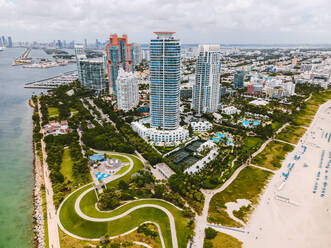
(247, 123)
(219, 136)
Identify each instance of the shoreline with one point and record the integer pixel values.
(38, 217)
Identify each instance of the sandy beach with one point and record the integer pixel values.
(297, 213)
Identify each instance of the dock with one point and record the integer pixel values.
(53, 82)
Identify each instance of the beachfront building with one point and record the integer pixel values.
(80, 55)
(206, 89)
(201, 126)
(165, 81)
(160, 136)
(127, 90)
(137, 53)
(119, 55)
(92, 75)
(238, 79)
(231, 110)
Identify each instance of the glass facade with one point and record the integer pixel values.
(92, 75)
(206, 90)
(165, 81)
(238, 79)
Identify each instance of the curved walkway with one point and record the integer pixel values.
(84, 216)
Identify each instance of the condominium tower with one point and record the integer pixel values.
(206, 90)
(165, 81)
(119, 55)
(127, 90)
(238, 79)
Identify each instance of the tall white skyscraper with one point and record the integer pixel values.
(165, 81)
(207, 84)
(127, 90)
(80, 55)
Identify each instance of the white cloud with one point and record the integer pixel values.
(225, 21)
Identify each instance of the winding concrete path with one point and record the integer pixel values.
(84, 216)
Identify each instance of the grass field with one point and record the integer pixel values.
(306, 115)
(75, 224)
(66, 166)
(223, 240)
(291, 134)
(44, 204)
(53, 111)
(123, 159)
(252, 144)
(272, 155)
(122, 170)
(248, 185)
(276, 125)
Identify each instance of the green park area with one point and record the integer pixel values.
(248, 185)
(216, 239)
(272, 155)
(73, 223)
(305, 116)
(66, 166)
(291, 134)
(52, 112)
(252, 144)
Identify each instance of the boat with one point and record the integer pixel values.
(2, 49)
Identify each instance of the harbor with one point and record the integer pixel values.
(53, 82)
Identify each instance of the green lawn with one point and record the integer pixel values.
(291, 134)
(276, 125)
(53, 111)
(272, 155)
(248, 185)
(223, 240)
(73, 223)
(66, 166)
(122, 170)
(306, 115)
(252, 144)
(123, 159)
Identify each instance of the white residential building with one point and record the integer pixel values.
(201, 126)
(156, 135)
(206, 87)
(127, 90)
(231, 110)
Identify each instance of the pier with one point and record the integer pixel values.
(24, 58)
(53, 82)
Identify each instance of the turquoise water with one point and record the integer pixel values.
(247, 123)
(16, 175)
(221, 136)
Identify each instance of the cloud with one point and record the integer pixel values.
(195, 21)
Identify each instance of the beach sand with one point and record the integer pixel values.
(292, 215)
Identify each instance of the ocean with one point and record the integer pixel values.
(16, 157)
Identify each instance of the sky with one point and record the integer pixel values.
(194, 21)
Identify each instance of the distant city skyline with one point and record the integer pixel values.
(203, 21)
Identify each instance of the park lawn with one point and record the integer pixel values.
(123, 159)
(248, 185)
(276, 125)
(223, 240)
(291, 134)
(66, 166)
(252, 144)
(306, 115)
(122, 170)
(272, 155)
(165, 149)
(89, 229)
(44, 205)
(53, 111)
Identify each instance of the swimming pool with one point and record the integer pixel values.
(101, 175)
(247, 123)
(221, 136)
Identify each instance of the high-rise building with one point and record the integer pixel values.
(206, 89)
(119, 55)
(137, 53)
(10, 42)
(4, 41)
(59, 44)
(85, 43)
(127, 90)
(80, 55)
(92, 75)
(165, 81)
(238, 79)
(64, 42)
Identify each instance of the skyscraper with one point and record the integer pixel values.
(80, 55)
(137, 53)
(127, 90)
(10, 42)
(92, 75)
(165, 81)
(206, 90)
(238, 79)
(4, 41)
(119, 55)
(85, 43)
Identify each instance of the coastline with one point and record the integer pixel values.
(38, 216)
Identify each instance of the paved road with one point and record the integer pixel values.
(53, 233)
